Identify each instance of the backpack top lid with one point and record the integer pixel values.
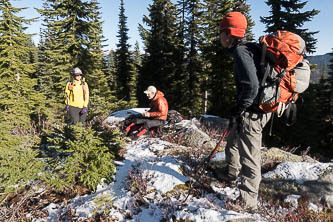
(287, 46)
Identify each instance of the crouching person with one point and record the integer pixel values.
(153, 118)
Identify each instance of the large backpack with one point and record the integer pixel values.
(174, 117)
(285, 73)
(83, 84)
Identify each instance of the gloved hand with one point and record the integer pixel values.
(70, 87)
(67, 108)
(83, 110)
(236, 114)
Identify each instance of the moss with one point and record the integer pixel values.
(178, 188)
(278, 155)
(181, 187)
(151, 191)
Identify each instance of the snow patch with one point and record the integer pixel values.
(298, 171)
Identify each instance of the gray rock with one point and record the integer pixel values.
(217, 123)
(277, 155)
(320, 190)
(194, 137)
(191, 134)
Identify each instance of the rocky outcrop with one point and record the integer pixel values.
(193, 136)
(276, 155)
(215, 123)
(320, 190)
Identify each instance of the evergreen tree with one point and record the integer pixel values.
(194, 63)
(326, 106)
(110, 65)
(179, 81)
(103, 99)
(54, 66)
(18, 101)
(73, 37)
(287, 15)
(123, 58)
(33, 55)
(18, 98)
(49, 69)
(87, 156)
(158, 65)
(330, 84)
(134, 75)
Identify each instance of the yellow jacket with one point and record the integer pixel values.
(76, 97)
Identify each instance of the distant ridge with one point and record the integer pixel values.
(322, 62)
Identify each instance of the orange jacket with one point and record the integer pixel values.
(159, 107)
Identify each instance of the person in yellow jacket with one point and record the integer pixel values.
(77, 98)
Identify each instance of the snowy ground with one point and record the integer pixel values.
(161, 177)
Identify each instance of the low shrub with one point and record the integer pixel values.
(81, 156)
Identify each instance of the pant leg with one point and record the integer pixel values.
(250, 138)
(140, 120)
(135, 126)
(82, 117)
(232, 153)
(154, 123)
(74, 115)
(149, 123)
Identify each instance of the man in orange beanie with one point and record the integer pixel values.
(246, 120)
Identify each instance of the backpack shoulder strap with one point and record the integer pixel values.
(84, 89)
(263, 64)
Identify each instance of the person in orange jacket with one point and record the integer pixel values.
(77, 97)
(154, 117)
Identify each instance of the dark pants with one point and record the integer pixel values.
(138, 124)
(243, 155)
(75, 116)
(149, 123)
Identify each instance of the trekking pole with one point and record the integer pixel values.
(202, 166)
(211, 155)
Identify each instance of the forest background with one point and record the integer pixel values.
(181, 56)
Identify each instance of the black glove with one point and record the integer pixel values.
(236, 114)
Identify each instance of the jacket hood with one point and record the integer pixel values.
(158, 95)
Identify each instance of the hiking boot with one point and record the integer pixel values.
(142, 132)
(133, 137)
(128, 128)
(223, 176)
(240, 206)
(126, 131)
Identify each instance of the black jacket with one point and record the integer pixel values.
(247, 73)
